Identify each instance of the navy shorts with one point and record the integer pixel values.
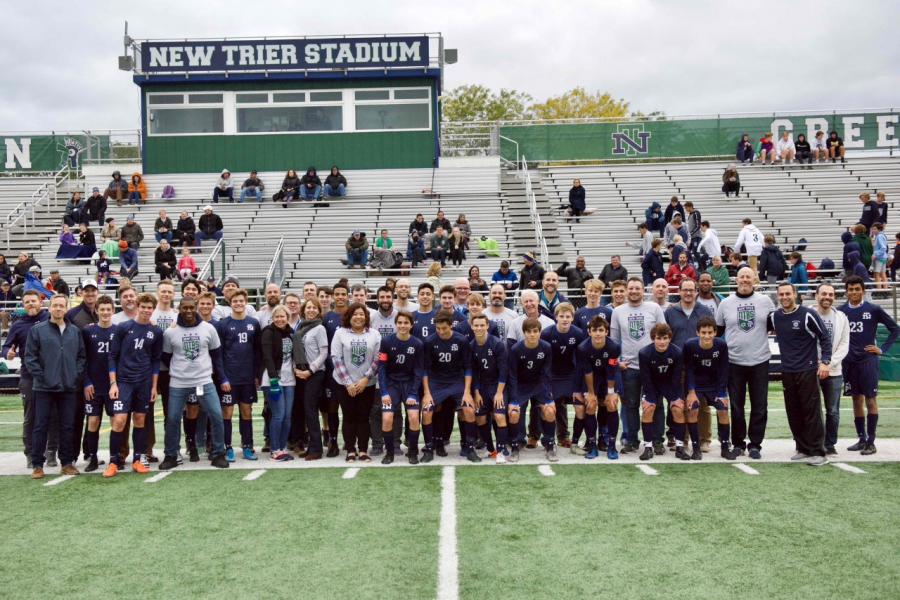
(711, 400)
(192, 399)
(244, 393)
(535, 391)
(448, 391)
(487, 401)
(861, 378)
(399, 394)
(133, 397)
(563, 388)
(94, 407)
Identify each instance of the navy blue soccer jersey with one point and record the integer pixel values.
(528, 368)
(661, 372)
(706, 369)
(447, 360)
(863, 323)
(241, 353)
(135, 351)
(584, 315)
(401, 363)
(563, 346)
(601, 362)
(465, 328)
(489, 363)
(97, 342)
(423, 324)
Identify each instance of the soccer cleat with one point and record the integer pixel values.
(565, 442)
(111, 469)
(659, 448)
(168, 463)
(464, 452)
(611, 453)
(754, 454)
(37, 473)
(440, 450)
(577, 450)
(591, 453)
(479, 444)
(247, 453)
(869, 451)
(333, 450)
(817, 461)
(473, 457)
(858, 446)
(648, 453)
(50, 459)
(139, 467)
(531, 442)
(681, 454)
(229, 454)
(630, 448)
(551, 454)
(514, 455)
(413, 458)
(697, 454)
(92, 464)
(603, 443)
(501, 459)
(377, 450)
(729, 453)
(193, 454)
(427, 456)
(490, 455)
(219, 462)
(670, 441)
(145, 461)
(800, 456)
(388, 458)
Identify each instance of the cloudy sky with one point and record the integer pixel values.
(685, 57)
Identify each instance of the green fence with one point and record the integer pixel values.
(685, 137)
(49, 153)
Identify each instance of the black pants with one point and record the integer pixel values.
(355, 410)
(804, 411)
(576, 212)
(804, 155)
(312, 394)
(731, 187)
(756, 378)
(46, 403)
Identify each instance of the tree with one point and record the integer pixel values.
(478, 103)
(578, 104)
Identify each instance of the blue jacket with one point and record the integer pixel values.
(409, 247)
(799, 277)
(54, 360)
(652, 265)
(128, 258)
(18, 338)
(576, 198)
(654, 220)
(685, 327)
(881, 247)
(510, 277)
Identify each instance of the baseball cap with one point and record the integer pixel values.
(86, 283)
(231, 279)
(96, 189)
(130, 217)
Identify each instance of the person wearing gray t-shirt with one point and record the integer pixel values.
(742, 317)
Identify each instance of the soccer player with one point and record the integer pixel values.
(206, 304)
(423, 318)
(598, 358)
(593, 290)
(448, 377)
(134, 357)
(401, 367)
(97, 341)
(475, 306)
(563, 339)
(193, 352)
(839, 328)
(860, 368)
(530, 367)
(382, 321)
(497, 313)
(618, 291)
(332, 322)
(163, 317)
(490, 370)
(706, 379)
(239, 335)
(660, 365)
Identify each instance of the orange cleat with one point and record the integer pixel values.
(493, 454)
(138, 467)
(110, 470)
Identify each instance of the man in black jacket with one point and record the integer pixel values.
(771, 262)
(96, 208)
(254, 186)
(674, 208)
(440, 220)
(532, 275)
(575, 276)
(335, 183)
(58, 283)
(614, 271)
(210, 226)
(310, 185)
(86, 237)
(7, 304)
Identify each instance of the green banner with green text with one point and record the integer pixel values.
(21, 153)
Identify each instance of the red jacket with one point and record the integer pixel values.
(675, 274)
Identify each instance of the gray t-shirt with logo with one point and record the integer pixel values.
(631, 326)
(746, 332)
(191, 363)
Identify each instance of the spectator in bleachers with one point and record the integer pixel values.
(507, 278)
(66, 237)
(764, 148)
(575, 276)
(162, 227)
(186, 265)
(895, 261)
(745, 150)
(577, 203)
(850, 245)
(223, 187)
(86, 236)
(8, 302)
(857, 267)
(137, 189)
(785, 148)
(870, 211)
(5, 270)
(804, 150)
(613, 271)
(731, 181)
(254, 186)
(128, 260)
(771, 262)
(439, 221)
(21, 269)
(719, 273)
(132, 233)
(476, 283)
(57, 284)
(674, 208)
(652, 265)
(737, 262)
(799, 276)
(166, 263)
(655, 219)
(820, 147)
(646, 240)
(695, 234)
(879, 255)
(439, 245)
(709, 246)
(210, 286)
(835, 146)
(679, 248)
(882, 207)
(75, 208)
(865, 244)
(464, 228)
(679, 270)
(357, 247)
(384, 241)
(210, 226)
(415, 249)
(750, 242)
(117, 188)
(110, 231)
(103, 268)
(673, 228)
(419, 225)
(290, 187)
(532, 274)
(310, 185)
(185, 229)
(335, 183)
(456, 243)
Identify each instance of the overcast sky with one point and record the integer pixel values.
(60, 70)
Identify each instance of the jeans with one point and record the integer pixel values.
(756, 379)
(216, 235)
(439, 255)
(308, 194)
(210, 402)
(227, 192)
(312, 393)
(27, 394)
(330, 191)
(831, 395)
(280, 424)
(159, 237)
(134, 196)
(45, 403)
(357, 256)
(256, 192)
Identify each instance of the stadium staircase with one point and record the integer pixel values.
(524, 231)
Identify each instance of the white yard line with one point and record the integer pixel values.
(158, 476)
(647, 470)
(350, 473)
(11, 423)
(448, 560)
(546, 470)
(746, 469)
(59, 480)
(254, 475)
(849, 468)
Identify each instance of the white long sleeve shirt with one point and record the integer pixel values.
(752, 238)
(784, 144)
(710, 243)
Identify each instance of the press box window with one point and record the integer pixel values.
(392, 116)
(289, 118)
(186, 120)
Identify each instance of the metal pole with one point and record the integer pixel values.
(894, 299)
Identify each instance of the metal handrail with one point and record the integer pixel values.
(512, 141)
(539, 241)
(277, 261)
(14, 215)
(210, 267)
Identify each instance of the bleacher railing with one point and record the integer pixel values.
(517, 166)
(25, 208)
(209, 269)
(539, 242)
(275, 273)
